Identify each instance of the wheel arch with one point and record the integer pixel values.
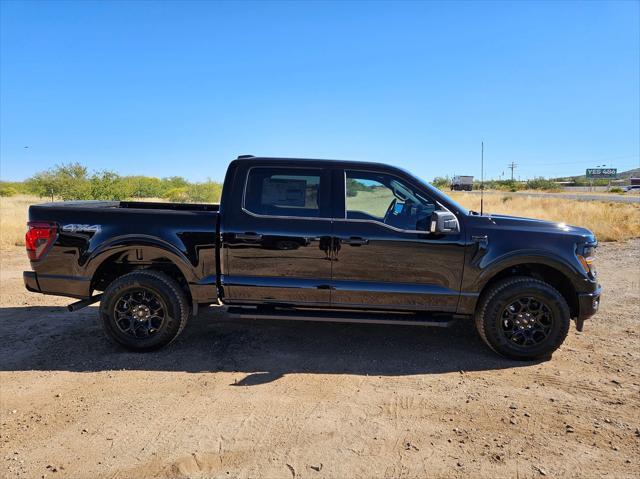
(553, 274)
(123, 256)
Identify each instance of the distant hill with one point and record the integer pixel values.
(635, 173)
(622, 175)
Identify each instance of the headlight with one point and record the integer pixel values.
(587, 257)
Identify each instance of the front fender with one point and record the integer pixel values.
(489, 267)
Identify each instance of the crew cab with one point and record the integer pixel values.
(318, 240)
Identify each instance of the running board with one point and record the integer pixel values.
(238, 312)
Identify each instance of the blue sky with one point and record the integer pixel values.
(182, 88)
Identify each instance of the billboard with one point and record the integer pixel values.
(601, 173)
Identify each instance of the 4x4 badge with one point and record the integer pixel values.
(73, 228)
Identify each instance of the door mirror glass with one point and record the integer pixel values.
(444, 222)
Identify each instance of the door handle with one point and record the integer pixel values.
(248, 236)
(355, 241)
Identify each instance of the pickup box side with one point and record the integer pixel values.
(98, 241)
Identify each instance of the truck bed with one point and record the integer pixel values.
(95, 236)
(135, 205)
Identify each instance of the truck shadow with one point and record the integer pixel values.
(52, 339)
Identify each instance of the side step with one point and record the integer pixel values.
(406, 319)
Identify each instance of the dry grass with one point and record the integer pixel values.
(14, 212)
(13, 218)
(609, 221)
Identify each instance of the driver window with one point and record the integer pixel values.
(386, 199)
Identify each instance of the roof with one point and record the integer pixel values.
(316, 162)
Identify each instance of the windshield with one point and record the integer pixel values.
(442, 197)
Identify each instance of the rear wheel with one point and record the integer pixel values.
(523, 318)
(144, 310)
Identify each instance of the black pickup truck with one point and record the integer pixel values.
(316, 240)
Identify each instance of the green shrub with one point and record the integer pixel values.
(69, 182)
(107, 185)
(501, 185)
(353, 186)
(7, 191)
(174, 182)
(177, 195)
(542, 184)
(441, 182)
(615, 189)
(208, 192)
(145, 186)
(73, 182)
(10, 188)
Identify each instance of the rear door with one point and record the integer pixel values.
(277, 236)
(385, 256)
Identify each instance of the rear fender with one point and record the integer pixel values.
(140, 249)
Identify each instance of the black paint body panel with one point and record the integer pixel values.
(130, 233)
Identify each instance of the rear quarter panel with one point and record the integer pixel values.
(187, 238)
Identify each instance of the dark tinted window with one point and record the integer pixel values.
(283, 192)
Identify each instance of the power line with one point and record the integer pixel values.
(512, 166)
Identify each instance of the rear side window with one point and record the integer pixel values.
(283, 192)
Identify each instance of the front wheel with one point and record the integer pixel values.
(523, 318)
(144, 310)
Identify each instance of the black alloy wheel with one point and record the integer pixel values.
(523, 318)
(139, 313)
(144, 310)
(527, 321)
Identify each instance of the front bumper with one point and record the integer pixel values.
(588, 304)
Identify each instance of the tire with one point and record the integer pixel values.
(523, 318)
(144, 310)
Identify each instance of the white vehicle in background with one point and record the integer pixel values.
(462, 183)
(632, 189)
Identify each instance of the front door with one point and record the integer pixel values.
(385, 256)
(276, 244)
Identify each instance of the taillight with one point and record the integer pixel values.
(39, 237)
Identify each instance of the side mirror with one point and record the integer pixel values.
(443, 222)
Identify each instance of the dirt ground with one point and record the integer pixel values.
(316, 400)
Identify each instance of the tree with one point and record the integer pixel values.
(208, 192)
(72, 182)
(107, 185)
(441, 182)
(144, 186)
(177, 195)
(66, 181)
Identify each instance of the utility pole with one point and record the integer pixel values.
(481, 178)
(512, 166)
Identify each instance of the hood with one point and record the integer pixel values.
(532, 224)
